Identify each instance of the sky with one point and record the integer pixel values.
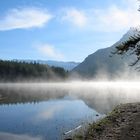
(63, 30)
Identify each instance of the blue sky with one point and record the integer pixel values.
(64, 30)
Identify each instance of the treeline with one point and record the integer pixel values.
(19, 71)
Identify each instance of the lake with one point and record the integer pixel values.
(48, 111)
(33, 114)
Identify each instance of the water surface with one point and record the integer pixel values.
(45, 111)
(29, 115)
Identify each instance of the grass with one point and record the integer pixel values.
(78, 137)
(100, 125)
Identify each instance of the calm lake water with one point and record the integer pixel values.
(45, 120)
(26, 114)
(45, 111)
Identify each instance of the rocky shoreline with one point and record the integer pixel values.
(123, 123)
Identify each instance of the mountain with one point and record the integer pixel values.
(66, 65)
(103, 61)
(132, 35)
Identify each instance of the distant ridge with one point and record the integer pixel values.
(66, 65)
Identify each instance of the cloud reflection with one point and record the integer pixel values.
(10, 136)
(50, 112)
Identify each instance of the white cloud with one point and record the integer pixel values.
(74, 16)
(116, 18)
(49, 51)
(24, 18)
(113, 18)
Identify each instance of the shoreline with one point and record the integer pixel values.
(120, 124)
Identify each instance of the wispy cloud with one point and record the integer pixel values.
(74, 16)
(110, 19)
(49, 51)
(114, 18)
(23, 18)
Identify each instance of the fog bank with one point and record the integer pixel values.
(100, 95)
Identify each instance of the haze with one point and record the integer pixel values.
(101, 96)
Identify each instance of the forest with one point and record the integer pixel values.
(23, 71)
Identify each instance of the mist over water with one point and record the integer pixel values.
(102, 96)
(47, 110)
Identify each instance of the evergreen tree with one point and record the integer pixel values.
(12, 70)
